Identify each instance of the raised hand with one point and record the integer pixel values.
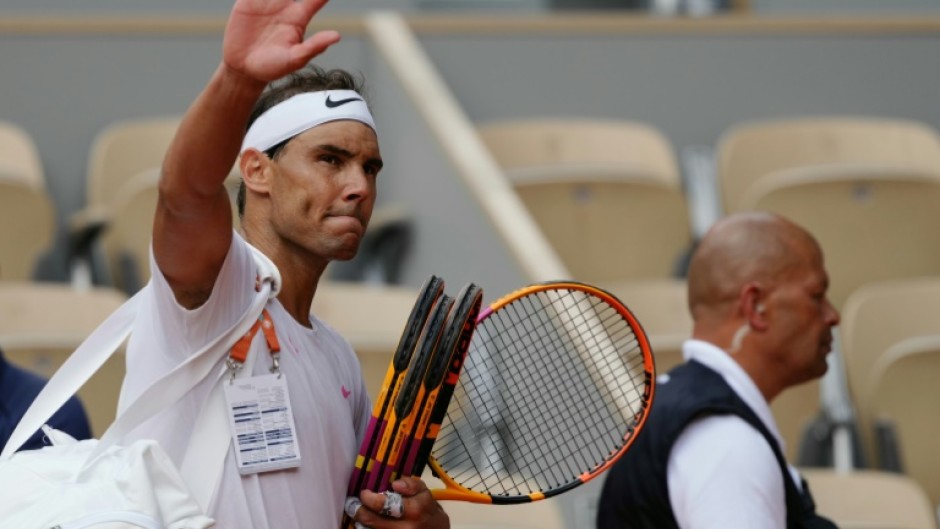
(265, 39)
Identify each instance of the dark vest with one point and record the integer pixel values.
(636, 492)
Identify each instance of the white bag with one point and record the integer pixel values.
(136, 485)
(99, 484)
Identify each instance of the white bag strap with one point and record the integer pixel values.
(74, 372)
(172, 386)
(106, 339)
(204, 460)
(210, 441)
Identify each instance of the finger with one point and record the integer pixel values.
(409, 486)
(390, 504)
(313, 46)
(394, 505)
(370, 514)
(352, 506)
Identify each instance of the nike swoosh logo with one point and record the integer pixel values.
(333, 104)
(346, 392)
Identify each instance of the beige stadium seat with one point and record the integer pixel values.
(903, 389)
(119, 153)
(871, 227)
(27, 215)
(750, 151)
(868, 190)
(42, 323)
(870, 499)
(876, 317)
(123, 173)
(607, 194)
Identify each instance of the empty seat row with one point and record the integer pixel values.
(608, 194)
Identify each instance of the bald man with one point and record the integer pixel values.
(710, 455)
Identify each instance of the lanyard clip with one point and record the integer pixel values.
(276, 364)
(234, 366)
(239, 353)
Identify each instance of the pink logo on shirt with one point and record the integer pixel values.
(346, 392)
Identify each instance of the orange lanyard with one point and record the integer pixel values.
(239, 353)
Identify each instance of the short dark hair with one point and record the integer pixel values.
(311, 78)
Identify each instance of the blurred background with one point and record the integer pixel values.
(527, 140)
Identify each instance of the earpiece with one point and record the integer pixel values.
(760, 308)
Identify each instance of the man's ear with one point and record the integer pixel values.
(751, 303)
(256, 170)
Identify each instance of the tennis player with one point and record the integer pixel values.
(309, 160)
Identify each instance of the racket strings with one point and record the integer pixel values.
(549, 391)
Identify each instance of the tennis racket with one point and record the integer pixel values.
(413, 390)
(440, 380)
(454, 345)
(556, 384)
(430, 292)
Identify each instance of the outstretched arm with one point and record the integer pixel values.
(264, 40)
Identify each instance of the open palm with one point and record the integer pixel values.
(265, 40)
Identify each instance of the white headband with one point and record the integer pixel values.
(303, 112)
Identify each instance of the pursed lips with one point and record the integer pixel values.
(351, 216)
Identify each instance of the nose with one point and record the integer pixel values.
(832, 314)
(358, 185)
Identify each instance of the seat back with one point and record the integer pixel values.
(748, 152)
(122, 150)
(607, 194)
(865, 499)
(27, 215)
(876, 317)
(903, 390)
(19, 157)
(869, 222)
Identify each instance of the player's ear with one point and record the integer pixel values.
(256, 170)
(752, 306)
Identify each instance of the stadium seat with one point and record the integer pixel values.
(870, 499)
(114, 228)
(865, 188)
(42, 323)
(872, 227)
(607, 194)
(750, 151)
(27, 215)
(119, 153)
(903, 390)
(876, 317)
